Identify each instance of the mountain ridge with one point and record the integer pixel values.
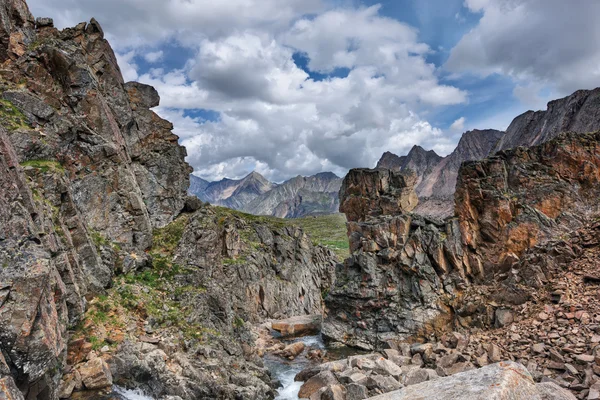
(297, 197)
(436, 185)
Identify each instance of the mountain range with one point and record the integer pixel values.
(437, 176)
(254, 194)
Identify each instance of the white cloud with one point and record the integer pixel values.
(539, 43)
(138, 22)
(154, 56)
(128, 66)
(273, 116)
(458, 125)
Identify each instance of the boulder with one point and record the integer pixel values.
(293, 349)
(501, 381)
(321, 380)
(298, 326)
(355, 391)
(551, 391)
(96, 374)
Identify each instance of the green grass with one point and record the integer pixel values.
(11, 118)
(165, 240)
(328, 231)
(44, 165)
(325, 230)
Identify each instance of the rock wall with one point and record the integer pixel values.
(519, 198)
(87, 172)
(408, 275)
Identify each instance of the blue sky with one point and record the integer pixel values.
(289, 87)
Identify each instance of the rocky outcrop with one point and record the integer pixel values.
(371, 193)
(295, 198)
(518, 198)
(87, 172)
(413, 277)
(261, 270)
(575, 113)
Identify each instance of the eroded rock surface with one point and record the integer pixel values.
(408, 275)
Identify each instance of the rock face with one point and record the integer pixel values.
(578, 112)
(436, 176)
(409, 276)
(518, 198)
(295, 198)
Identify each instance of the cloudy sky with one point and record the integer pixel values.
(289, 87)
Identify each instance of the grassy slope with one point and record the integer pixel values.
(328, 231)
(324, 230)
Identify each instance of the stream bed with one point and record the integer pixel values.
(285, 370)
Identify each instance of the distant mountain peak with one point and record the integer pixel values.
(296, 197)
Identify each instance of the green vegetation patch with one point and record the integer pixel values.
(328, 231)
(165, 240)
(11, 118)
(44, 165)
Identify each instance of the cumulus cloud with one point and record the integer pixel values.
(458, 125)
(273, 115)
(154, 56)
(135, 23)
(539, 43)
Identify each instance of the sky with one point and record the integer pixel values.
(297, 87)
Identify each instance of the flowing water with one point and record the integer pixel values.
(126, 394)
(281, 369)
(284, 370)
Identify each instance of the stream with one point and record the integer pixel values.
(284, 370)
(281, 369)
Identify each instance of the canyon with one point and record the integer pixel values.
(475, 271)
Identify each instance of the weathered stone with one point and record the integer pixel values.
(382, 383)
(8, 389)
(293, 349)
(356, 392)
(506, 380)
(551, 391)
(321, 380)
(298, 326)
(96, 374)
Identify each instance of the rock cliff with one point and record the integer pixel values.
(408, 275)
(88, 171)
(107, 274)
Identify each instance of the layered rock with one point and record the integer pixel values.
(518, 198)
(87, 169)
(408, 275)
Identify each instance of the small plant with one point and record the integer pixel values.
(11, 118)
(44, 165)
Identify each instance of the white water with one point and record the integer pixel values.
(285, 371)
(282, 370)
(127, 394)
